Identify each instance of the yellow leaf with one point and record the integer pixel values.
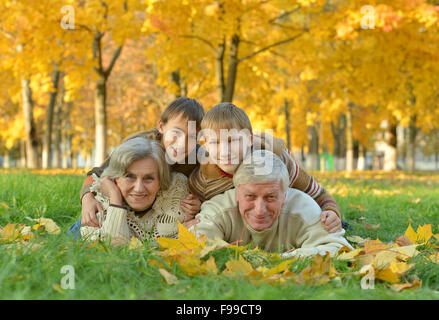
(350, 255)
(211, 265)
(50, 226)
(169, 277)
(393, 272)
(374, 245)
(234, 267)
(281, 267)
(407, 285)
(10, 232)
(190, 265)
(424, 233)
(4, 205)
(58, 288)
(187, 238)
(411, 234)
(134, 243)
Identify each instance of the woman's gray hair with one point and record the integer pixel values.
(262, 166)
(136, 149)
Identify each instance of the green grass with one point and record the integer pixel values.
(118, 273)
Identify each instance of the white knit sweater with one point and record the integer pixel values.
(297, 227)
(159, 221)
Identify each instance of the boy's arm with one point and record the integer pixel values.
(89, 180)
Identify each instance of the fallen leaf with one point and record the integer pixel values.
(374, 245)
(4, 205)
(235, 267)
(350, 255)
(399, 287)
(362, 218)
(169, 277)
(371, 227)
(50, 226)
(10, 232)
(57, 288)
(417, 200)
(134, 243)
(424, 233)
(357, 239)
(411, 234)
(403, 241)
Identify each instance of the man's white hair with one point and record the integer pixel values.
(262, 166)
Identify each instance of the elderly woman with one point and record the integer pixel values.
(139, 195)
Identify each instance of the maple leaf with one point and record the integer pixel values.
(237, 267)
(374, 245)
(422, 234)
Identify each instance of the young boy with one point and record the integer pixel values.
(226, 151)
(177, 130)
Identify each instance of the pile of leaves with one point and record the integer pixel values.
(388, 262)
(189, 256)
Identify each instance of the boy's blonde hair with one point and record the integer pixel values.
(226, 116)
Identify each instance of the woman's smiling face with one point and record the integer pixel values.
(140, 184)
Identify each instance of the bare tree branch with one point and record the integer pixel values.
(271, 46)
(201, 39)
(113, 61)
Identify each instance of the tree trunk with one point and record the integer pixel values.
(232, 69)
(101, 97)
(411, 143)
(312, 160)
(349, 140)
(219, 64)
(22, 162)
(29, 125)
(390, 154)
(6, 160)
(338, 132)
(47, 139)
(100, 121)
(361, 164)
(287, 123)
(57, 128)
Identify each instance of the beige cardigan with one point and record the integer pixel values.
(159, 221)
(298, 226)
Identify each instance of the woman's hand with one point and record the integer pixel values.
(108, 187)
(331, 221)
(191, 205)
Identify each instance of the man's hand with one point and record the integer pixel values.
(330, 220)
(89, 209)
(191, 205)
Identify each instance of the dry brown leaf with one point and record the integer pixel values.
(371, 227)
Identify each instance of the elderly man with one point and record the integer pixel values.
(263, 210)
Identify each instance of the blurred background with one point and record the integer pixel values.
(349, 85)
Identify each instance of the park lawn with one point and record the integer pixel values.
(392, 201)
